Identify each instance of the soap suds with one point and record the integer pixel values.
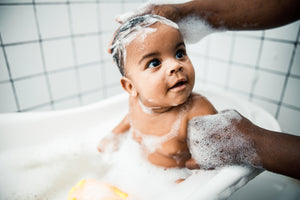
(213, 141)
(193, 29)
(153, 142)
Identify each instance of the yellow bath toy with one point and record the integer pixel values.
(92, 189)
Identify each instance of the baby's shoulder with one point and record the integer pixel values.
(200, 105)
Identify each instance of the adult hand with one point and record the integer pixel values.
(222, 139)
(170, 11)
(228, 138)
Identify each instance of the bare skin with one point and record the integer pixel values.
(231, 14)
(276, 152)
(159, 78)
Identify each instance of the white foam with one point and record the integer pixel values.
(213, 140)
(193, 29)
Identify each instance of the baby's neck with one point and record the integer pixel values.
(154, 110)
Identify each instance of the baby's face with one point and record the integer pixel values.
(161, 73)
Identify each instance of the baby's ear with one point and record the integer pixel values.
(128, 86)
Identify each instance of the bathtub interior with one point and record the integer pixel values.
(43, 155)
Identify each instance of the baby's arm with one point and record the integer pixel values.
(111, 141)
(123, 126)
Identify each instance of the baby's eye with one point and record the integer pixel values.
(180, 54)
(153, 63)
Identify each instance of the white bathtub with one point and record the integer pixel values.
(42, 155)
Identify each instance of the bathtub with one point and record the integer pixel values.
(44, 154)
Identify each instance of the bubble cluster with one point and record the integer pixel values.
(215, 141)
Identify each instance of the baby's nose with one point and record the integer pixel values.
(174, 68)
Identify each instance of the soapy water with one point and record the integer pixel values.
(213, 140)
(50, 170)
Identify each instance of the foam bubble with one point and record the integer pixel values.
(214, 141)
(193, 29)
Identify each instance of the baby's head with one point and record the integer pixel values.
(151, 56)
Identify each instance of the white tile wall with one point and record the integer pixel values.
(295, 67)
(73, 50)
(87, 49)
(90, 77)
(268, 106)
(220, 46)
(242, 83)
(24, 60)
(246, 50)
(108, 12)
(289, 120)
(287, 32)
(66, 104)
(17, 23)
(7, 100)
(63, 84)
(32, 92)
(58, 54)
(84, 18)
(112, 74)
(292, 92)
(276, 56)
(217, 72)
(92, 97)
(269, 85)
(53, 25)
(3, 68)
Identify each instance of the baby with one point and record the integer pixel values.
(159, 77)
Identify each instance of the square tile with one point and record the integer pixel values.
(106, 39)
(58, 54)
(63, 84)
(276, 56)
(217, 72)
(292, 92)
(289, 120)
(269, 85)
(92, 97)
(250, 33)
(84, 18)
(246, 50)
(32, 92)
(220, 46)
(112, 74)
(24, 59)
(296, 62)
(90, 78)
(16, 1)
(67, 104)
(287, 32)
(241, 78)
(114, 90)
(108, 13)
(200, 67)
(7, 100)
(267, 106)
(87, 49)
(40, 109)
(17, 23)
(3, 68)
(198, 48)
(53, 20)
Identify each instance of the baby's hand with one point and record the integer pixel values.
(110, 143)
(220, 140)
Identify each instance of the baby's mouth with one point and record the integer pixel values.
(179, 85)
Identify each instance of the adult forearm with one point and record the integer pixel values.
(243, 14)
(279, 153)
